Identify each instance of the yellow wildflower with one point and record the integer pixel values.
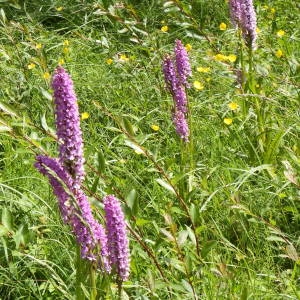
(231, 57)
(59, 8)
(46, 75)
(31, 66)
(109, 61)
(188, 47)
(228, 121)
(66, 43)
(85, 115)
(123, 58)
(280, 33)
(203, 69)
(61, 61)
(66, 50)
(164, 28)
(273, 10)
(279, 53)
(154, 127)
(257, 30)
(220, 57)
(233, 105)
(198, 85)
(223, 26)
(38, 46)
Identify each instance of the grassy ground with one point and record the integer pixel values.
(243, 195)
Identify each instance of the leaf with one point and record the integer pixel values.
(131, 201)
(182, 236)
(191, 235)
(194, 212)
(273, 145)
(207, 247)
(166, 185)
(44, 122)
(101, 162)
(46, 94)
(275, 238)
(8, 109)
(141, 222)
(95, 184)
(292, 252)
(128, 126)
(134, 146)
(167, 234)
(187, 286)
(19, 237)
(7, 219)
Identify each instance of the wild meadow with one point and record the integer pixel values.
(149, 149)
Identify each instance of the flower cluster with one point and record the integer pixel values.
(117, 239)
(243, 15)
(66, 174)
(68, 125)
(176, 71)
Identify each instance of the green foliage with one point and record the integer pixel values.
(222, 225)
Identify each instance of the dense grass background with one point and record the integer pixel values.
(244, 199)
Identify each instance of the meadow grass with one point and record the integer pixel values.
(236, 234)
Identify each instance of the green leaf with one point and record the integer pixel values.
(46, 94)
(95, 184)
(44, 122)
(194, 212)
(166, 185)
(128, 127)
(7, 219)
(8, 109)
(132, 202)
(141, 222)
(19, 237)
(101, 162)
(207, 247)
(191, 235)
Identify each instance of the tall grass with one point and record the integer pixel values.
(242, 207)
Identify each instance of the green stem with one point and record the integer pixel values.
(93, 282)
(79, 267)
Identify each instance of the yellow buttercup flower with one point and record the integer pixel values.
(228, 121)
(188, 47)
(198, 85)
(109, 61)
(279, 53)
(66, 43)
(203, 69)
(85, 115)
(123, 58)
(38, 46)
(59, 8)
(154, 127)
(280, 33)
(66, 50)
(164, 28)
(231, 57)
(223, 26)
(46, 75)
(61, 61)
(257, 30)
(233, 105)
(220, 57)
(31, 66)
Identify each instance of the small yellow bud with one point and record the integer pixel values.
(228, 121)
(164, 28)
(223, 26)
